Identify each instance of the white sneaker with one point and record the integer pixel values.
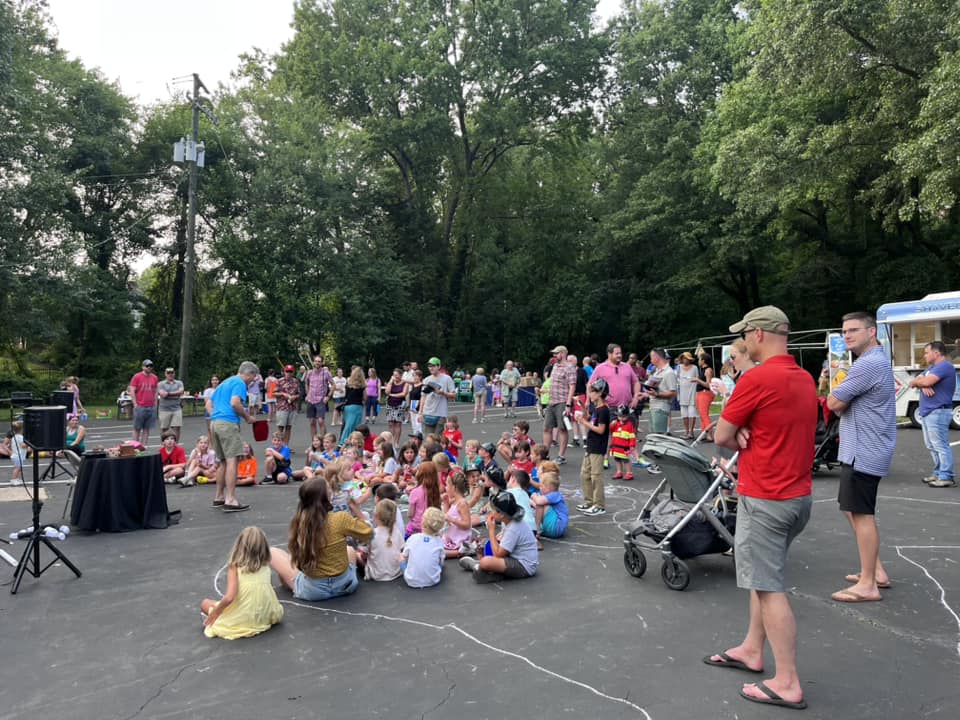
(468, 563)
(595, 510)
(582, 507)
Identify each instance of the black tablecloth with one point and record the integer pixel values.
(119, 494)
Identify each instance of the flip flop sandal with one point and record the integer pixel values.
(728, 662)
(855, 578)
(235, 508)
(772, 698)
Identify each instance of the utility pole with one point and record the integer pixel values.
(189, 261)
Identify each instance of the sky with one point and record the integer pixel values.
(145, 44)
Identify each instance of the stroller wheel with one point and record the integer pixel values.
(635, 562)
(675, 574)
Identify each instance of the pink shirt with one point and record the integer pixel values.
(621, 380)
(418, 505)
(144, 389)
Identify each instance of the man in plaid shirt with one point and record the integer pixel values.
(319, 382)
(563, 381)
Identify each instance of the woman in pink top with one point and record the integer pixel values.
(372, 406)
(425, 494)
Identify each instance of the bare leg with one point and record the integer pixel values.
(283, 566)
(564, 436)
(229, 467)
(781, 629)
(221, 479)
(750, 651)
(868, 546)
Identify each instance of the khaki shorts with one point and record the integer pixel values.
(171, 418)
(553, 416)
(225, 439)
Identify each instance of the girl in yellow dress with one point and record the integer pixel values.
(250, 604)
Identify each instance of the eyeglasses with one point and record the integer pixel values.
(747, 331)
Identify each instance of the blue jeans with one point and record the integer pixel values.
(351, 418)
(936, 436)
(313, 589)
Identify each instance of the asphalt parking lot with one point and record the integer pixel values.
(583, 638)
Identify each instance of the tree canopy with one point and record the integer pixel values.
(480, 181)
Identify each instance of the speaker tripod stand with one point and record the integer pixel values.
(30, 560)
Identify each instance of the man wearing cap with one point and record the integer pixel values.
(771, 419)
(226, 408)
(170, 390)
(143, 389)
(510, 387)
(437, 389)
(663, 388)
(563, 382)
(287, 394)
(318, 382)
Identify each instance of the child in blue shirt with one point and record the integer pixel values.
(278, 462)
(551, 508)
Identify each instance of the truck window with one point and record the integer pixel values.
(923, 333)
(950, 335)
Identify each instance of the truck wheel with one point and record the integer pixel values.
(913, 410)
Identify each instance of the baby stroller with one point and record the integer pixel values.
(827, 438)
(696, 519)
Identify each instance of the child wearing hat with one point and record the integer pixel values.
(513, 555)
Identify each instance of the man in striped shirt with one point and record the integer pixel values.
(563, 381)
(866, 403)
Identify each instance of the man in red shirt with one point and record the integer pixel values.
(143, 389)
(771, 419)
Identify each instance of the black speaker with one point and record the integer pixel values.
(45, 428)
(62, 397)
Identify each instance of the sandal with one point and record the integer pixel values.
(628, 476)
(617, 475)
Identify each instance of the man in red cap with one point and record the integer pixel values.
(287, 395)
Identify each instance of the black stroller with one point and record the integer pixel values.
(696, 519)
(827, 438)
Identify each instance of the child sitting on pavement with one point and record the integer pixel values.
(518, 485)
(514, 554)
(550, 507)
(456, 540)
(172, 458)
(423, 552)
(202, 463)
(383, 552)
(278, 462)
(250, 605)
(247, 467)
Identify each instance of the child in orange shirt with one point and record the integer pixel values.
(247, 467)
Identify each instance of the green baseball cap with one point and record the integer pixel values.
(434, 361)
(768, 318)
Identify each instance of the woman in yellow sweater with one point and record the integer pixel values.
(319, 565)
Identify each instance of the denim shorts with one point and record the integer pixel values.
(311, 588)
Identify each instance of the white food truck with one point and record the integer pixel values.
(904, 328)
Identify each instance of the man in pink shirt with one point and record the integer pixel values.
(620, 377)
(143, 389)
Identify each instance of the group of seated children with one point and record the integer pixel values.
(200, 467)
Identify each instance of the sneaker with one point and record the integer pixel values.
(595, 510)
(606, 464)
(930, 478)
(187, 483)
(561, 460)
(554, 444)
(942, 483)
(268, 480)
(481, 421)
(469, 563)
(654, 469)
(474, 421)
(575, 442)
(584, 506)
